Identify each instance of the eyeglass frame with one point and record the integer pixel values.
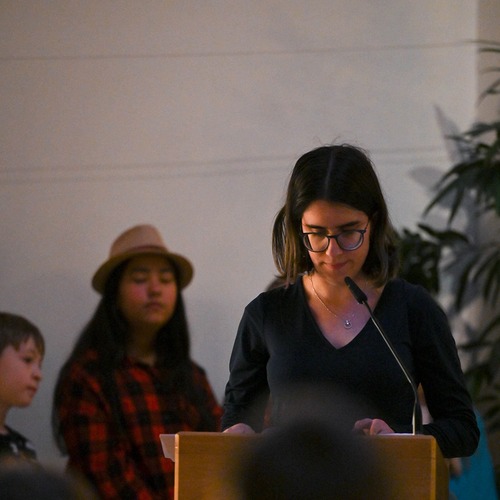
(329, 237)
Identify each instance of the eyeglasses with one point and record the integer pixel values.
(346, 240)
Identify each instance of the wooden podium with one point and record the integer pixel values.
(205, 464)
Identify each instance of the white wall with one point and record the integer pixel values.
(190, 115)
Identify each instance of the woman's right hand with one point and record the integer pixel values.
(371, 427)
(239, 429)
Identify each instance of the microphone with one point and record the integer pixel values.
(362, 299)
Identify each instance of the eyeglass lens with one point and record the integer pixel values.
(347, 240)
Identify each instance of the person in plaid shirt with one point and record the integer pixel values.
(130, 377)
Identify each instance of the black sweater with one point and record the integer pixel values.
(279, 346)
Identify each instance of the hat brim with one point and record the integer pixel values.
(184, 267)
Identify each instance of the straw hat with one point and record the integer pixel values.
(143, 239)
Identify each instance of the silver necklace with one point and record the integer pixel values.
(346, 322)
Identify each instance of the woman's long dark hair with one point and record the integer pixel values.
(338, 174)
(106, 334)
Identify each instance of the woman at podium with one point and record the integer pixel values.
(314, 329)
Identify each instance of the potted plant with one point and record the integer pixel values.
(468, 256)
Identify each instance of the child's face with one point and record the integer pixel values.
(148, 293)
(20, 374)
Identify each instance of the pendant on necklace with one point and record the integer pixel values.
(346, 322)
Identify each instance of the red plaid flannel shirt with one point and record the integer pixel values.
(131, 464)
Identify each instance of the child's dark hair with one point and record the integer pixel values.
(106, 333)
(15, 329)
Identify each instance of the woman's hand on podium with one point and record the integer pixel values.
(239, 429)
(371, 427)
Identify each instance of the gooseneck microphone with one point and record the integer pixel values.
(362, 299)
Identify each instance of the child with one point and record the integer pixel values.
(21, 353)
(130, 376)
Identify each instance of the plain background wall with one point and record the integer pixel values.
(190, 115)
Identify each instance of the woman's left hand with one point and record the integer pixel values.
(372, 426)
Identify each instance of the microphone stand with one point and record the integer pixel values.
(362, 299)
